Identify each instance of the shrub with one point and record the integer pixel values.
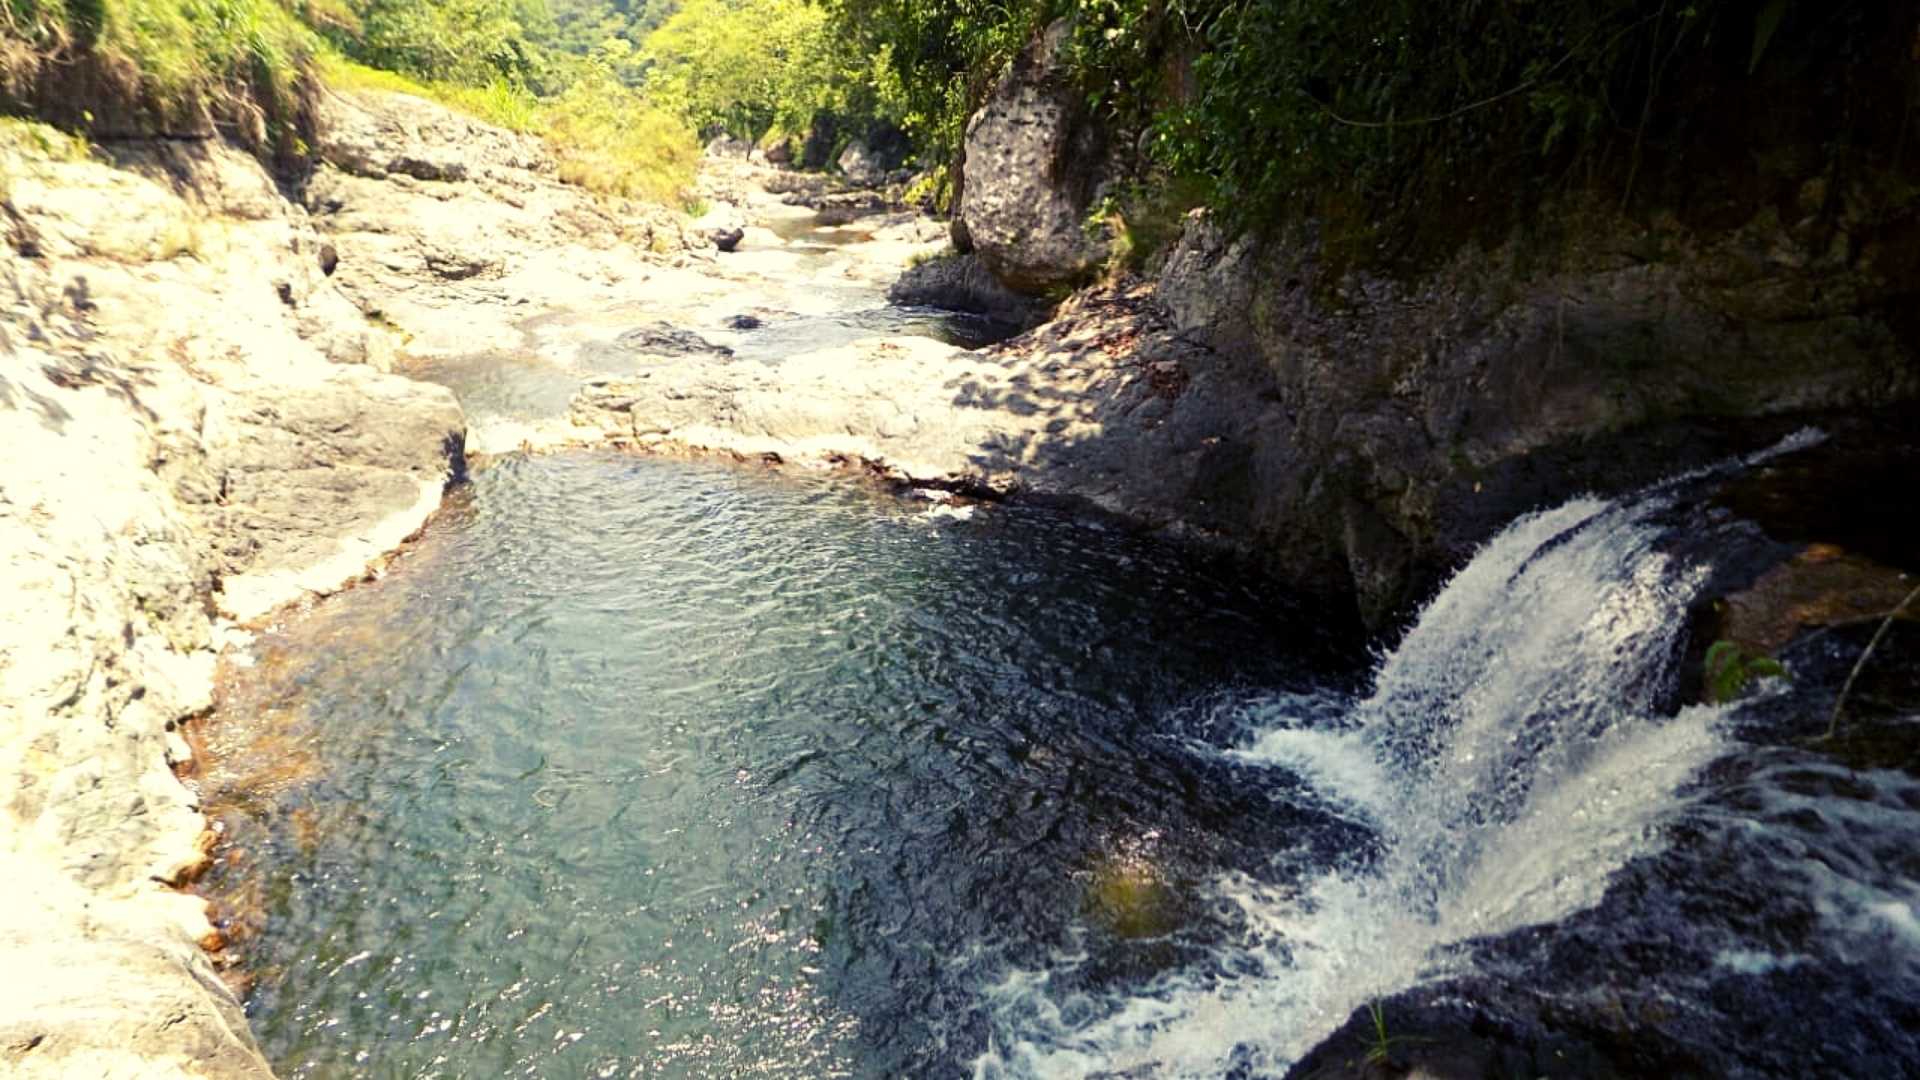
(155, 66)
(610, 139)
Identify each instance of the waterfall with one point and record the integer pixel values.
(1511, 755)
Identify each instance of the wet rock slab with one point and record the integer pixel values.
(1106, 405)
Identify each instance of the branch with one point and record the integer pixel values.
(1833, 722)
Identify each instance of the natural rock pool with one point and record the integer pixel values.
(635, 767)
(642, 765)
(639, 767)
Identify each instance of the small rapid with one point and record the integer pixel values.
(1517, 747)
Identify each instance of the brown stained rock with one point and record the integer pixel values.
(1821, 586)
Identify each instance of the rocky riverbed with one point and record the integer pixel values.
(209, 418)
(199, 428)
(220, 398)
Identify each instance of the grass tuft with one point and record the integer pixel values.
(33, 141)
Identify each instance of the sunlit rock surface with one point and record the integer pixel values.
(196, 427)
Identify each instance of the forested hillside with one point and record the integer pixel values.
(1401, 126)
(623, 91)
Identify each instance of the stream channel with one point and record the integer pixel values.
(637, 767)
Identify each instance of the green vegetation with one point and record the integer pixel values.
(1403, 127)
(605, 136)
(1400, 128)
(1380, 1045)
(1730, 670)
(465, 42)
(620, 89)
(34, 141)
(935, 60)
(161, 65)
(742, 65)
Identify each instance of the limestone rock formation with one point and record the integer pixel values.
(1035, 162)
(1106, 404)
(861, 165)
(458, 231)
(197, 428)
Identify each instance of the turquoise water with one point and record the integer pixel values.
(635, 767)
(643, 768)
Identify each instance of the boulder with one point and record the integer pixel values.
(960, 283)
(860, 164)
(378, 135)
(728, 239)
(659, 339)
(726, 146)
(1036, 162)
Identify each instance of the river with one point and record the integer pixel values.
(637, 767)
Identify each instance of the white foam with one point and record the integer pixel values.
(1510, 759)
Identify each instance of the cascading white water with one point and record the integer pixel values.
(1509, 759)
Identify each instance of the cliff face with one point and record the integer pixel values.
(1364, 431)
(1415, 418)
(196, 428)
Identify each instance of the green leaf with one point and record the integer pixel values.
(1764, 27)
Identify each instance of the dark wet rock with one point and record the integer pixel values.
(661, 339)
(961, 283)
(1038, 162)
(744, 322)
(1851, 479)
(1415, 417)
(728, 239)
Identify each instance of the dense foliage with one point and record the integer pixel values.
(1407, 118)
(937, 58)
(1393, 121)
(1410, 120)
(743, 65)
(620, 88)
(254, 67)
(161, 65)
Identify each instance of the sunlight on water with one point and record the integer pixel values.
(1508, 760)
(638, 768)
